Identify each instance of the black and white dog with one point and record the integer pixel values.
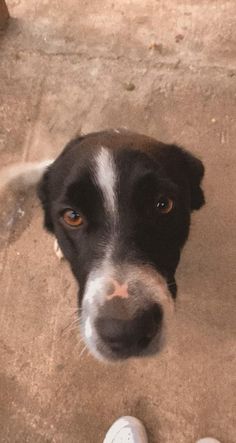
(119, 204)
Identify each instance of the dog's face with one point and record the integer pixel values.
(119, 204)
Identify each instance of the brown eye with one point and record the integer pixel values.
(164, 205)
(72, 218)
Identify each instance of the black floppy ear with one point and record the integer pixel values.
(43, 193)
(184, 168)
(46, 190)
(195, 172)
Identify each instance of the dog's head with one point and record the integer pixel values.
(119, 204)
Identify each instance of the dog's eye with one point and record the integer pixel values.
(164, 205)
(72, 218)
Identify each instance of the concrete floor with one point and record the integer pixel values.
(165, 68)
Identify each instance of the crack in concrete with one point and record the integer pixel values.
(175, 63)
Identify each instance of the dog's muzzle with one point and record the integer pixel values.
(125, 312)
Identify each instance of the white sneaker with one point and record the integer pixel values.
(208, 440)
(127, 430)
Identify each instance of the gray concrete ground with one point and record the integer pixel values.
(164, 68)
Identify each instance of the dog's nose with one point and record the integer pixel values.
(130, 337)
(116, 289)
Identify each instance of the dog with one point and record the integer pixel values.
(119, 204)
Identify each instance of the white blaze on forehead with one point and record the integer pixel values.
(106, 177)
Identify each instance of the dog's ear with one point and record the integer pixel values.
(45, 189)
(195, 172)
(184, 167)
(43, 192)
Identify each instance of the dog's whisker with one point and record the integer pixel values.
(68, 329)
(73, 312)
(80, 341)
(71, 324)
(83, 351)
